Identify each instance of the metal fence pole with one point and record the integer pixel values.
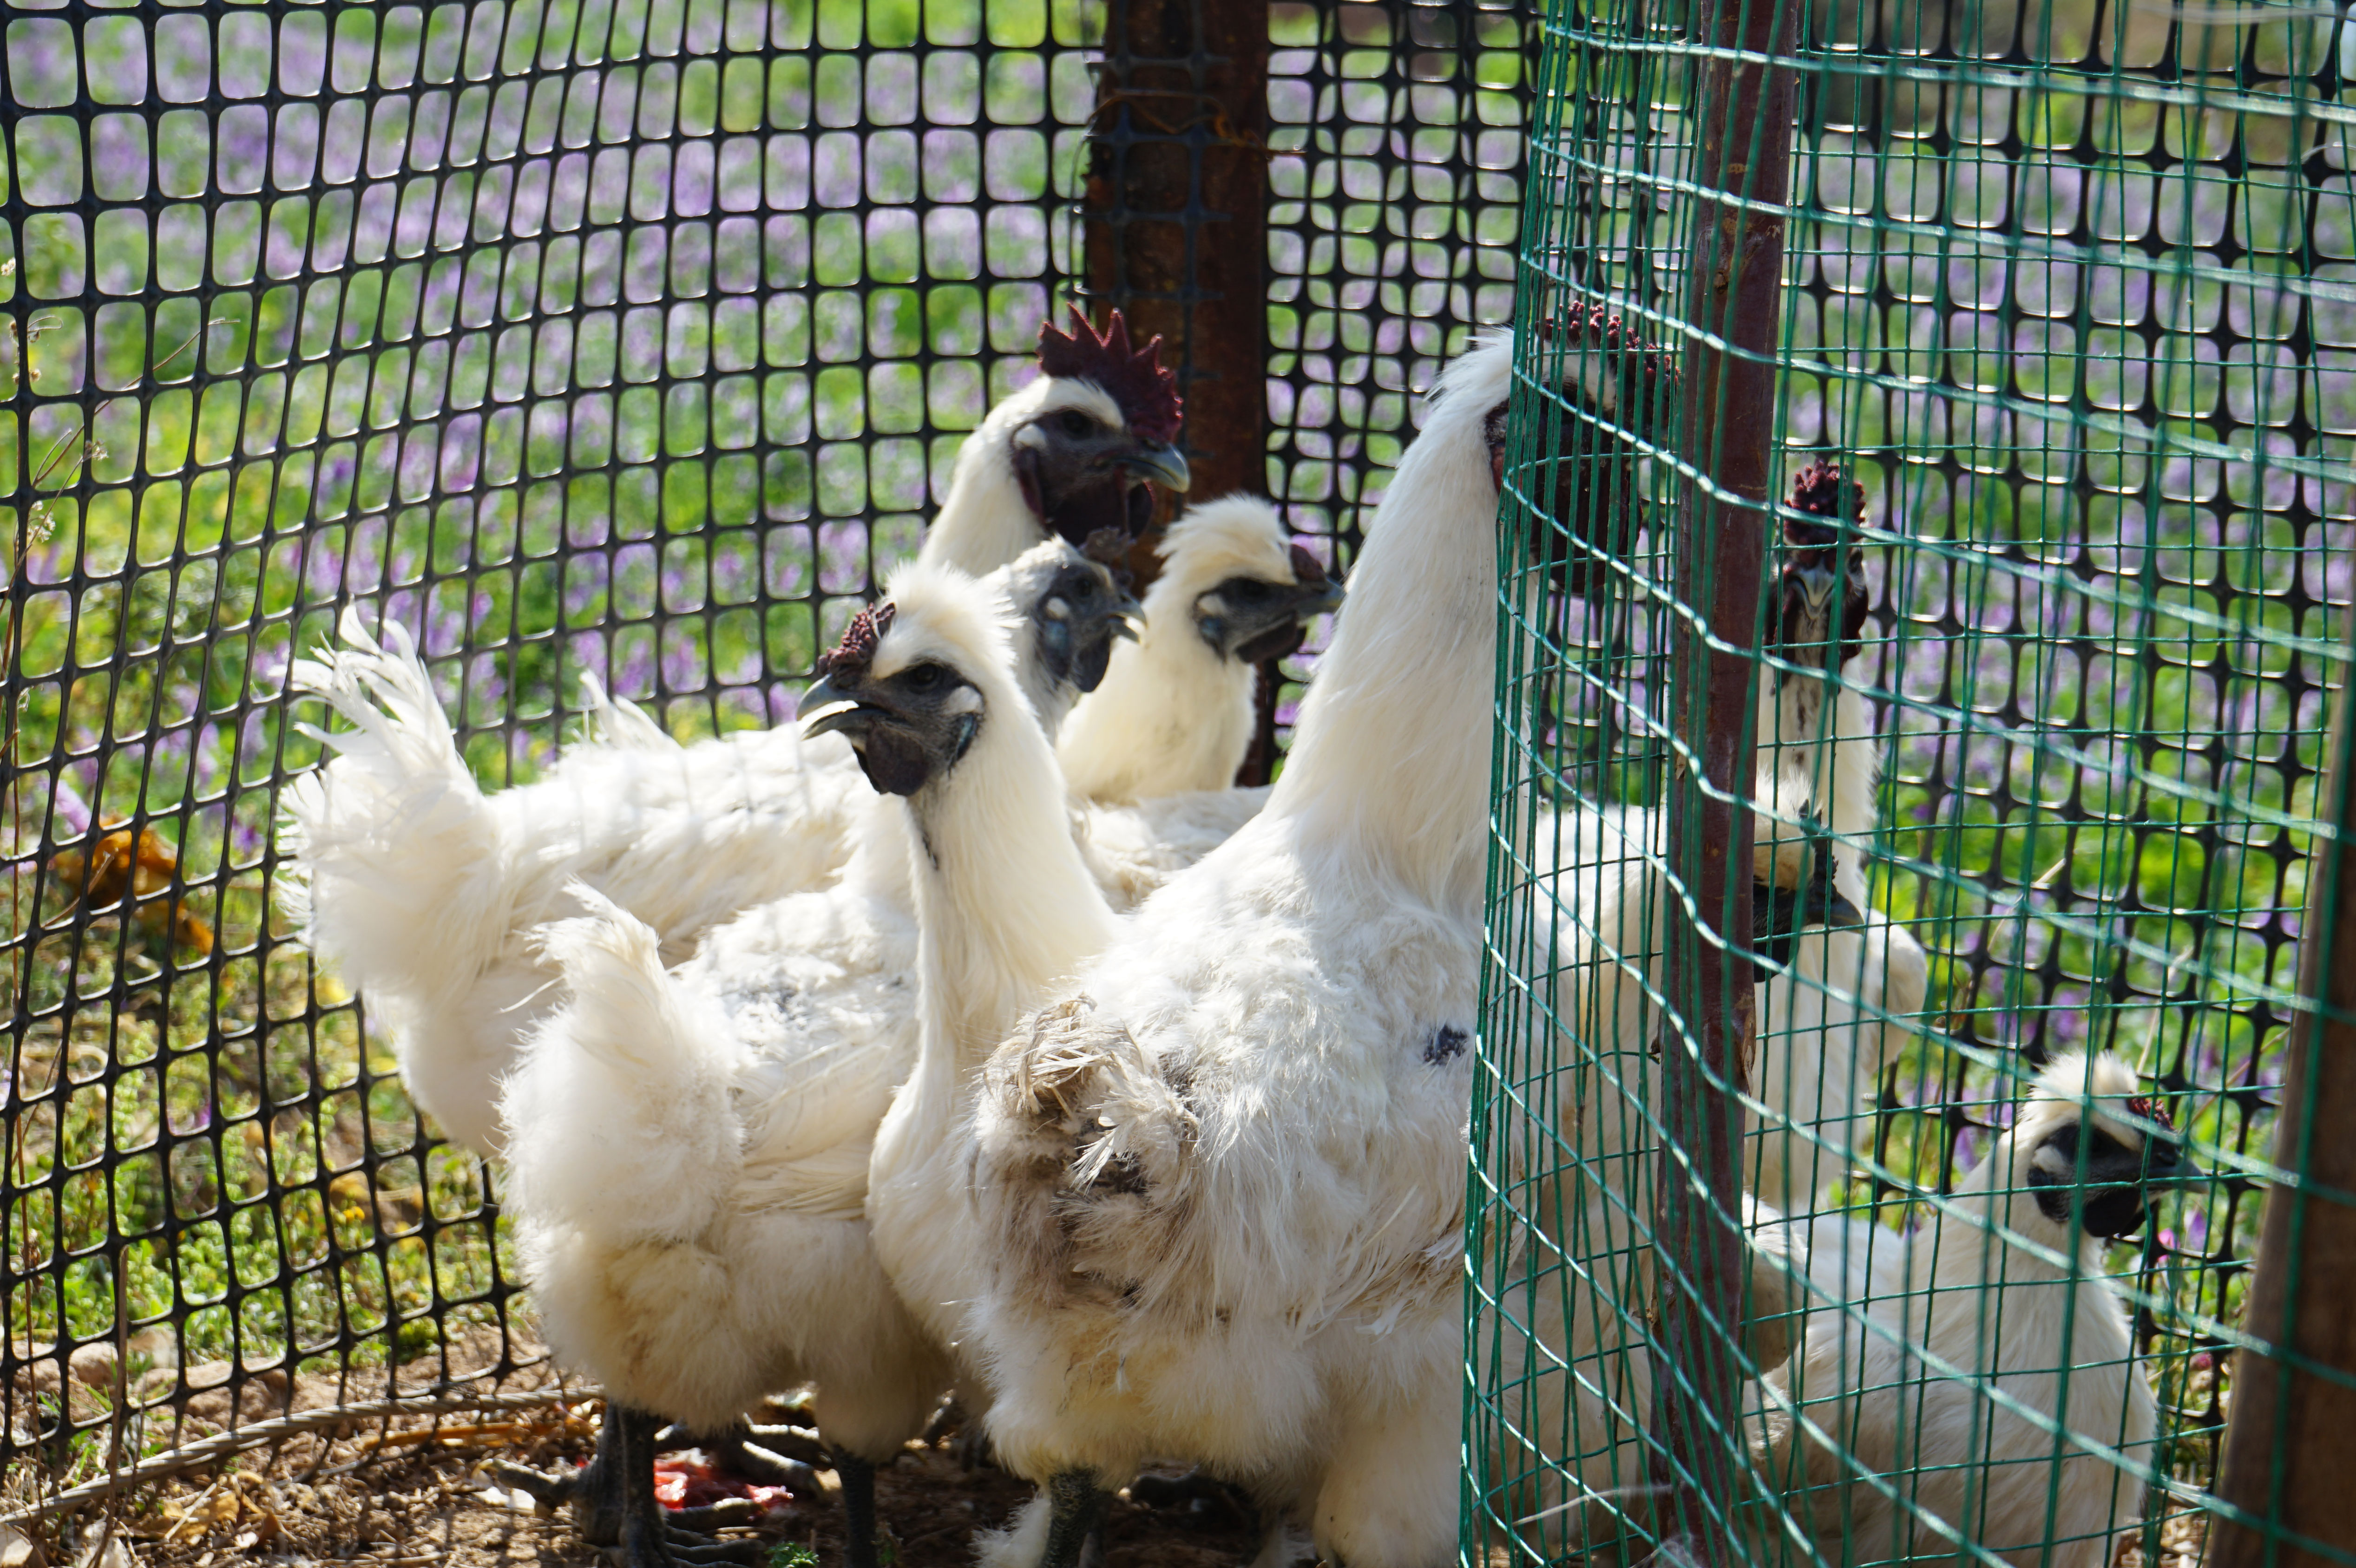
(1743, 113)
(2290, 1441)
(1176, 237)
(1176, 214)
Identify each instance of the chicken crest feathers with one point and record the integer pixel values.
(1235, 536)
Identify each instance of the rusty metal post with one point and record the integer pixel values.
(2290, 1440)
(1175, 232)
(1742, 113)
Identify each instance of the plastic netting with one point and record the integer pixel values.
(627, 338)
(2066, 288)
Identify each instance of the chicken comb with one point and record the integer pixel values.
(1107, 547)
(857, 649)
(2151, 1110)
(1146, 389)
(1816, 490)
(1596, 327)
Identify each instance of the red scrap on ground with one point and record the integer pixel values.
(684, 1480)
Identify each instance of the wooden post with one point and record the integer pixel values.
(1175, 235)
(2290, 1442)
(1743, 114)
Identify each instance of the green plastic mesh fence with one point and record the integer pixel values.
(624, 337)
(2054, 548)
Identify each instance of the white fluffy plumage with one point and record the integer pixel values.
(426, 892)
(690, 1151)
(1175, 713)
(1221, 1175)
(1828, 1028)
(2001, 1291)
(421, 889)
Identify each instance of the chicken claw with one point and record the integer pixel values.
(613, 1502)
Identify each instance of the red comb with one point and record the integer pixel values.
(2149, 1109)
(1146, 390)
(1816, 490)
(857, 649)
(1597, 326)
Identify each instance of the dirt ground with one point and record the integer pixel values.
(416, 1492)
(417, 1501)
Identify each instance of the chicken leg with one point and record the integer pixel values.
(858, 1509)
(1076, 1505)
(613, 1501)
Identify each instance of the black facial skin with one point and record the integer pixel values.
(1245, 618)
(1079, 475)
(1779, 915)
(1078, 618)
(902, 730)
(2113, 1185)
(1797, 630)
(1251, 620)
(1589, 492)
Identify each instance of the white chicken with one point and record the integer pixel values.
(1958, 1382)
(1221, 1177)
(1153, 750)
(423, 891)
(690, 1151)
(1964, 1371)
(1566, 1342)
(1827, 1027)
(1175, 713)
(459, 983)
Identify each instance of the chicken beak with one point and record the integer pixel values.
(1816, 583)
(1841, 915)
(1160, 462)
(824, 709)
(2165, 1162)
(1127, 616)
(1319, 599)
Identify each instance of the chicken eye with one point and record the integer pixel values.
(1075, 422)
(925, 677)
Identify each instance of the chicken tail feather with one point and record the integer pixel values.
(397, 862)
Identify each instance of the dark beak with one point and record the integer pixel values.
(2165, 1160)
(825, 710)
(1160, 462)
(1321, 598)
(1128, 615)
(1841, 914)
(1816, 585)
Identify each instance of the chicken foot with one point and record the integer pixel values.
(1076, 1505)
(749, 1453)
(613, 1503)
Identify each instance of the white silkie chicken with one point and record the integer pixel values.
(1153, 750)
(2002, 1291)
(1221, 1177)
(424, 891)
(1955, 1382)
(1175, 712)
(459, 985)
(689, 1150)
(1575, 1264)
(1829, 1027)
